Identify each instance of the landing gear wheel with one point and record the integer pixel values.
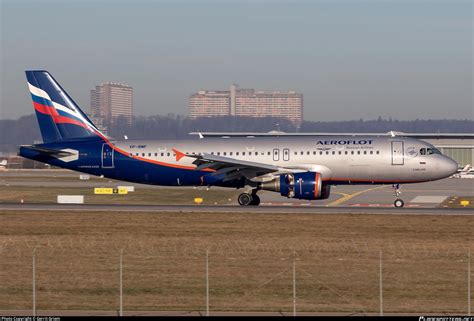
(398, 203)
(255, 200)
(245, 199)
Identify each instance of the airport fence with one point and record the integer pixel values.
(357, 279)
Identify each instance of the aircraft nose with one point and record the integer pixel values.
(449, 166)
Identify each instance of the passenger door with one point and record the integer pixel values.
(397, 153)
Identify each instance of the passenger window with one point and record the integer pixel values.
(230, 153)
(340, 152)
(327, 153)
(302, 153)
(333, 152)
(378, 152)
(143, 154)
(320, 153)
(243, 153)
(345, 152)
(218, 153)
(137, 154)
(296, 153)
(365, 152)
(423, 151)
(168, 154)
(156, 154)
(314, 152)
(256, 153)
(352, 152)
(371, 152)
(307, 153)
(236, 153)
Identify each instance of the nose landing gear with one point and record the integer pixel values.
(246, 199)
(398, 202)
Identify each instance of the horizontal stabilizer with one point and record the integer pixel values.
(47, 151)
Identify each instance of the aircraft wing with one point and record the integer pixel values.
(231, 167)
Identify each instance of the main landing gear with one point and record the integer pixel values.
(398, 202)
(246, 199)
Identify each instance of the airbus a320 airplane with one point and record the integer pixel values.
(295, 167)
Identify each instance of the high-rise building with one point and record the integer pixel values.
(111, 101)
(209, 103)
(248, 103)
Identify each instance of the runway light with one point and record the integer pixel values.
(464, 203)
(198, 200)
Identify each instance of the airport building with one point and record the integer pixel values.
(247, 103)
(109, 101)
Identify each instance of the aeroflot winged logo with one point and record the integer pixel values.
(345, 142)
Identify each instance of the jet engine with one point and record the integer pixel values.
(307, 185)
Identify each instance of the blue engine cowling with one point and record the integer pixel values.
(308, 186)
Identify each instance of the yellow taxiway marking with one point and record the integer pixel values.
(341, 193)
(347, 197)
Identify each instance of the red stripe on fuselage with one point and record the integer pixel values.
(150, 160)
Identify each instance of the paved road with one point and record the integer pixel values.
(236, 209)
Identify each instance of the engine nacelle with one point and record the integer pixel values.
(307, 185)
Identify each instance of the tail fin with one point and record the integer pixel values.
(58, 115)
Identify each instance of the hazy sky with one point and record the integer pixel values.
(351, 59)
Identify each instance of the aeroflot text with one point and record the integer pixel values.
(344, 142)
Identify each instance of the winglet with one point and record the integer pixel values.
(179, 154)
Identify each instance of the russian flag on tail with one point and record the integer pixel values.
(58, 115)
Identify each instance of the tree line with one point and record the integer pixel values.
(25, 130)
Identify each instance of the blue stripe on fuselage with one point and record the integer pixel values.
(127, 168)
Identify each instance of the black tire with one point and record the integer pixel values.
(255, 200)
(245, 199)
(398, 203)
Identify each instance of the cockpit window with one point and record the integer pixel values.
(433, 151)
(429, 151)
